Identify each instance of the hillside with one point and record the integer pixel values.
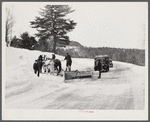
(134, 56)
(75, 43)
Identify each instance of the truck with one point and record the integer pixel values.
(104, 61)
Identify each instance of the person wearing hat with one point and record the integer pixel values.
(35, 66)
(68, 62)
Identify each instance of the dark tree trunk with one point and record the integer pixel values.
(54, 46)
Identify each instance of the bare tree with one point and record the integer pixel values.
(9, 22)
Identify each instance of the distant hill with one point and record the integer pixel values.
(76, 50)
(75, 43)
(72, 43)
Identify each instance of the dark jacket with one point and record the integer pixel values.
(68, 60)
(40, 58)
(98, 66)
(107, 61)
(53, 56)
(35, 66)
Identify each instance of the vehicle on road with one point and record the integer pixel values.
(110, 63)
(104, 60)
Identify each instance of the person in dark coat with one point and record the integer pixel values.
(99, 68)
(40, 58)
(40, 62)
(35, 66)
(53, 56)
(107, 63)
(68, 62)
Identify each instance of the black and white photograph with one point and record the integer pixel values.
(74, 60)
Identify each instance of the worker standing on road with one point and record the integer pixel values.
(99, 68)
(40, 63)
(107, 62)
(53, 59)
(68, 62)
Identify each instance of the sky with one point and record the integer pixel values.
(99, 24)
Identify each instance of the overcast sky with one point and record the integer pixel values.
(99, 24)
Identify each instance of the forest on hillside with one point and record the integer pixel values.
(134, 56)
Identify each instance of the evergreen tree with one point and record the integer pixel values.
(26, 41)
(52, 23)
(14, 42)
(33, 42)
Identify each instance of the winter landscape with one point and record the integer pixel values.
(122, 89)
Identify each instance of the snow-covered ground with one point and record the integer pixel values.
(122, 88)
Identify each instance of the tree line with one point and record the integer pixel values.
(134, 56)
(25, 41)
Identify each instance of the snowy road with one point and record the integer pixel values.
(122, 88)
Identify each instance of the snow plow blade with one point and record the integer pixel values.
(95, 75)
(68, 75)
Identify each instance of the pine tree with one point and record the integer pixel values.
(53, 24)
(26, 41)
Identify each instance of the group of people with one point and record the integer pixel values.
(40, 61)
(37, 66)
